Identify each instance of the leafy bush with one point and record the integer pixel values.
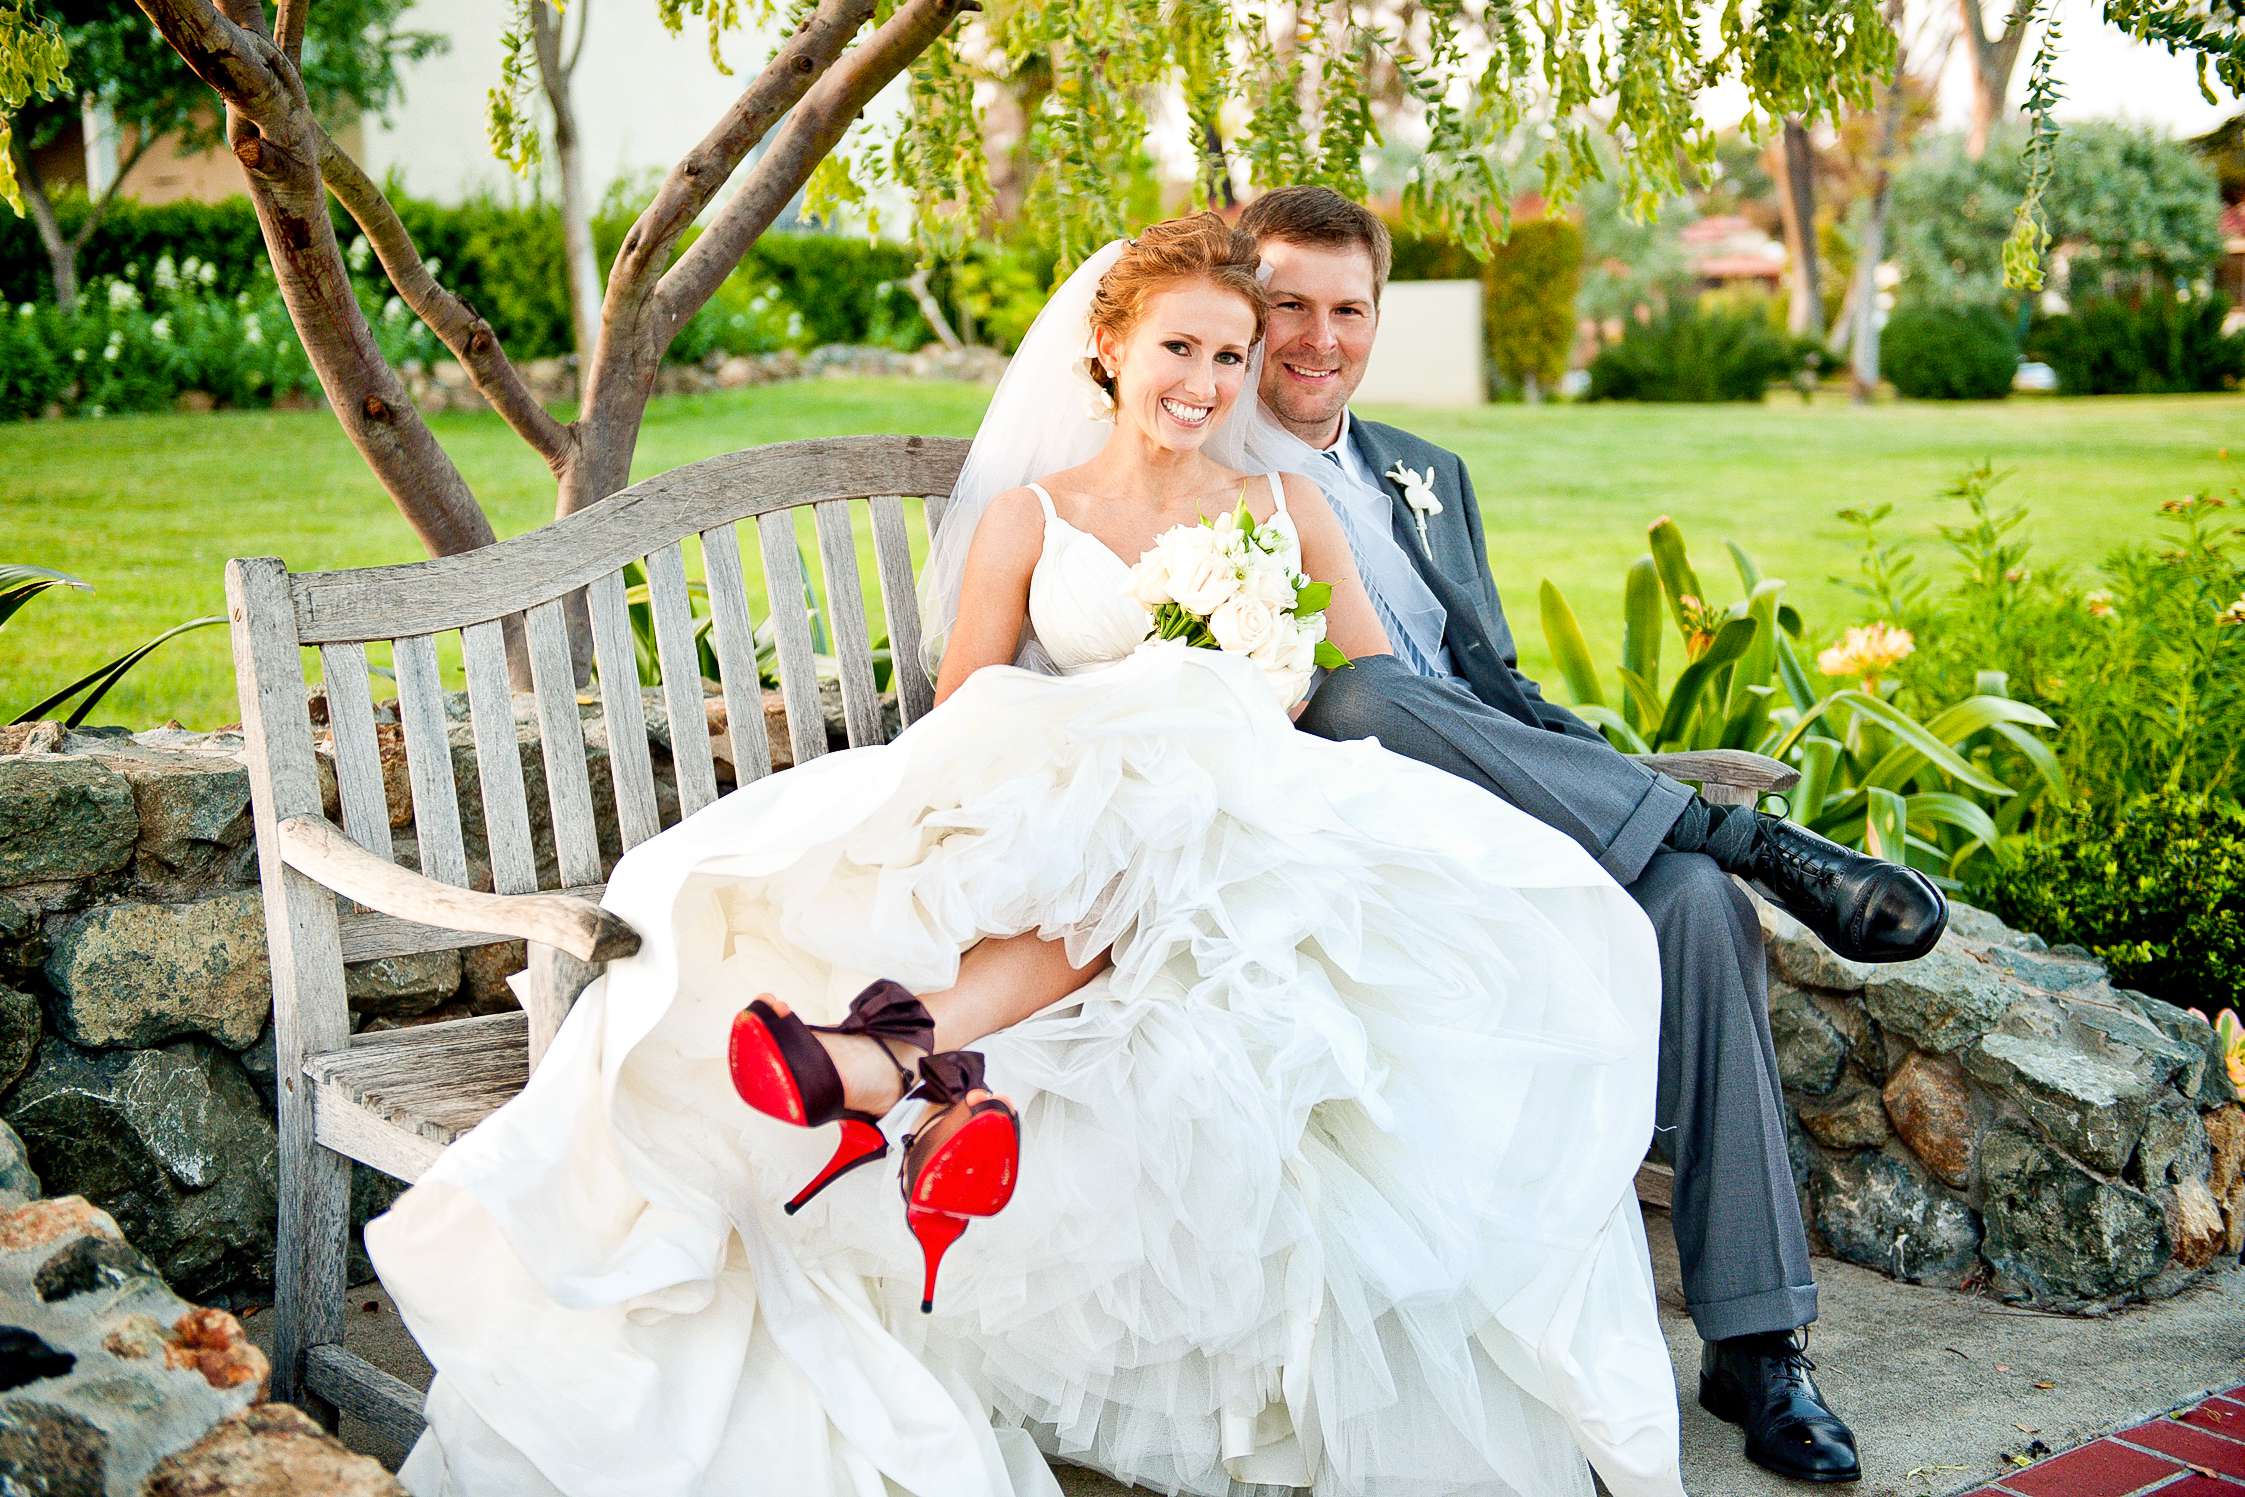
(2160, 344)
(1949, 353)
(1688, 354)
(2154, 886)
(2145, 665)
(1528, 303)
(1923, 788)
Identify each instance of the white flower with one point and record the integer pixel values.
(253, 331)
(1204, 583)
(167, 274)
(1418, 490)
(123, 296)
(359, 253)
(1243, 625)
(160, 330)
(208, 274)
(1271, 586)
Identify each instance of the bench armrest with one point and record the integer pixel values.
(1735, 769)
(320, 851)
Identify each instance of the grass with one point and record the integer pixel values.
(148, 509)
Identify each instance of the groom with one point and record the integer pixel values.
(1719, 1113)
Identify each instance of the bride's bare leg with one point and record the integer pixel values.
(1002, 980)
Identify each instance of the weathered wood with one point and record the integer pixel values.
(783, 586)
(845, 617)
(354, 1133)
(1732, 769)
(396, 1099)
(506, 807)
(1656, 1185)
(358, 756)
(451, 591)
(735, 639)
(310, 1012)
(315, 847)
(561, 737)
(428, 760)
(682, 679)
(358, 1387)
(932, 508)
(900, 604)
(629, 764)
(369, 934)
(555, 981)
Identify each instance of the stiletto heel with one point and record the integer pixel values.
(965, 1173)
(782, 1071)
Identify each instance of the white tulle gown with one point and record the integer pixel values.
(1325, 1184)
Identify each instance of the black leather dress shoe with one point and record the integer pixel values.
(1763, 1384)
(1865, 909)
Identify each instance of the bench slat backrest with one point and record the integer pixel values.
(552, 598)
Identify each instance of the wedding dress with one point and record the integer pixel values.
(1326, 1183)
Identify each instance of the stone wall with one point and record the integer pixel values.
(1996, 1115)
(1999, 1115)
(136, 1053)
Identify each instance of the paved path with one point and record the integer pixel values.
(1943, 1389)
(2197, 1451)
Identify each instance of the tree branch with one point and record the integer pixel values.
(143, 142)
(288, 28)
(233, 59)
(813, 130)
(62, 254)
(694, 181)
(577, 47)
(468, 335)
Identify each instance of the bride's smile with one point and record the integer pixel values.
(1179, 371)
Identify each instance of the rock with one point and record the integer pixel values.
(194, 813)
(1968, 922)
(173, 1141)
(2059, 1235)
(63, 817)
(1810, 1052)
(2051, 971)
(2225, 1138)
(31, 738)
(2173, 1148)
(1941, 1002)
(17, 1182)
(50, 1452)
(88, 1264)
(1931, 1108)
(2111, 1025)
(19, 1034)
(20, 946)
(396, 985)
(1878, 1211)
(2090, 1106)
(2194, 1224)
(1804, 961)
(135, 975)
(1850, 1118)
(2207, 1081)
(484, 971)
(1866, 1046)
(270, 1450)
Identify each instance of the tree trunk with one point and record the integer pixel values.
(1796, 202)
(1993, 62)
(582, 261)
(62, 252)
(1872, 247)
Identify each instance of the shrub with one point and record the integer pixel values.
(1688, 354)
(2154, 886)
(1528, 303)
(1949, 353)
(2159, 345)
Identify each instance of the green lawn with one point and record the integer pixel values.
(149, 508)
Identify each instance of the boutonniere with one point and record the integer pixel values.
(1418, 492)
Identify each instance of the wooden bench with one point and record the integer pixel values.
(336, 894)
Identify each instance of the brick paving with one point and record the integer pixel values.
(2197, 1451)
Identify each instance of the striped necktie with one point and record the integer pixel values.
(1397, 637)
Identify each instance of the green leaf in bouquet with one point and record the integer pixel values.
(1312, 597)
(1328, 655)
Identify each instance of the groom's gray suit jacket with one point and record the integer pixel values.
(1567, 775)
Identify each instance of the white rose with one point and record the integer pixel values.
(1271, 586)
(1243, 626)
(1291, 648)
(1149, 582)
(1205, 584)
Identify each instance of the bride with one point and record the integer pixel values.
(1326, 1073)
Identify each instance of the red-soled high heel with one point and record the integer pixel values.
(783, 1072)
(953, 1176)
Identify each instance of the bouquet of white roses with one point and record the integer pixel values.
(1231, 584)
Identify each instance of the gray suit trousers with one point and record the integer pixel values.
(1719, 1115)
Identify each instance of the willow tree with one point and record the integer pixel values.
(1472, 73)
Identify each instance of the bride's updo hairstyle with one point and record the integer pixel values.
(1199, 247)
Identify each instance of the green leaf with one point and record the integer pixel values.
(1947, 808)
(1886, 820)
(1749, 575)
(1328, 655)
(104, 676)
(1816, 759)
(2040, 759)
(1640, 643)
(1312, 597)
(1915, 734)
(1677, 578)
(1615, 727)
(1790, 671)
(1953, 725)
(1730, 643)
(1759, 661)
(20, 584)
(1564, 637)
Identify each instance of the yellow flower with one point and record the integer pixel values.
(2234, 614)
(2100, 603)
(1868, 651)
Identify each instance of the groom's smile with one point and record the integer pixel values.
(1324, 312)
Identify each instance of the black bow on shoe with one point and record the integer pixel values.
(1762, 1383)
